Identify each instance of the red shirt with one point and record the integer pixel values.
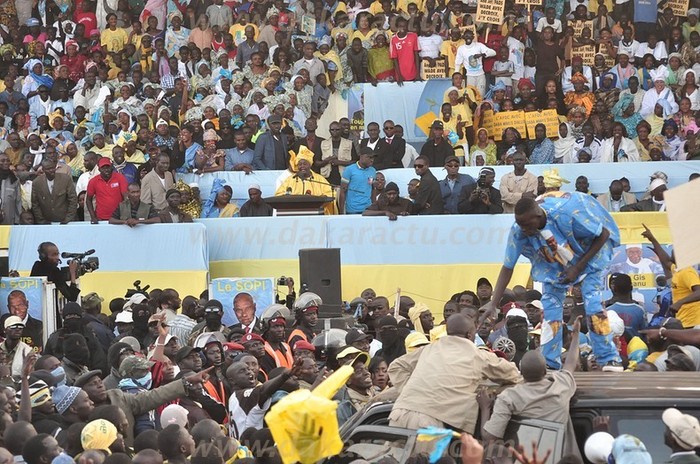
(89, 20)
(404, 50)
(108, 194)
(494, 44)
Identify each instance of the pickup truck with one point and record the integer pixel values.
(633, 401)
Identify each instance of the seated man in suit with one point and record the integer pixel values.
(53, 196)
(133, 211)
(616, 198)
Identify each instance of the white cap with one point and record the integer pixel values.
(125, 317)
(254, 186)
(656, 183)
(517, 312)
(598, 447)
(632, 246)
(684, 428)
(193, 185)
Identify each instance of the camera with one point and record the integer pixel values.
(481, 182)
(85, 264)
(282, 281)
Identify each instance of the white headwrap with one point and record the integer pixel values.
(659, 74)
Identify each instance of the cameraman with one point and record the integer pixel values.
(47, 266)
(481, 198)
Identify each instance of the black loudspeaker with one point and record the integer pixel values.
(319, 269)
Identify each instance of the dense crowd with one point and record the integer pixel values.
(151, 377)
(98, 95)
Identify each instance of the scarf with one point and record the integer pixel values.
(563, 145)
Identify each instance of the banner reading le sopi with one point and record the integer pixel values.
(262, 289)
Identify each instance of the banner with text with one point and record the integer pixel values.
(549, 118)
(506, 119)
(22, 295)
(490, 11)
(262, 289)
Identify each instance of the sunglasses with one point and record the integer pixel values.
(211, 310)
(419, 165)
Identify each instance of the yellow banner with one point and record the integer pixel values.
(439, 71)
(490, 11)
(506, 119)
(549, 118)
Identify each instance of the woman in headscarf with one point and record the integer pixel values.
(126, 99)
(190, 202)
(380, 66)
(671, 143)
(478, 158)
(552, 180)
(202, 77)
(218, 204)
(341, 50)
(675, 71)
(689, 89)
(73, 157)
(579, 96)
(496, 94)
(256, 70)
(644, 71)
(331, 60)
(643, 142)
(485, 145)
(35, 79)
(607, 90)
(563, 145)
(662, 111)
(624, 113)
(209, 158)
(685, 117)
(254, 104)
(512, 142)
(303, 93)
(541, 149)
(618, 148)
(176, 36)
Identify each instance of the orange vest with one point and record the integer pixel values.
(281, 359)
(297, 332)
(218, 395)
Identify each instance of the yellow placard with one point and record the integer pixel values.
(587, 53)
(580, 25)
(609, 60)
(549, 118)
(506, 119)
(679, 7)
(439, 71)
(487, 121)
(643, 280)
(490, 11)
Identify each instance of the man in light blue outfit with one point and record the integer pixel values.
(568, 238)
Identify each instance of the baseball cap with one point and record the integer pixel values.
(484, 280)
(628, 449)
(390, 187)
(104, 162)
(125, 317)
(355, 335)
(98, 435)
(13, 320)
(303, 345)
(684, 428)
(536, 303)
(251, 337)
(85, 378)
(130, 363)
(414, 340)
(598, 447)
(214, 304)
(437, 125)
(92, 300)
(274, 118)
(255, 187)
(174, 414)
(184, 352)
(517, 312)
(132, 342)
(352, 355)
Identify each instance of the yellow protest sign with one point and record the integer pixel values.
(487, 121)
(490, 11)
(439, 71)
(587, 53)
(679, 7)
(643, 280)
(506, 119)
(609, 60)
(549, 118)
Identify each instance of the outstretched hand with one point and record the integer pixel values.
(520, 455)
(200, 377)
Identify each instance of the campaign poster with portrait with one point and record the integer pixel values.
(356, 108)
(645, 270)
(19, 295)
(262, 289)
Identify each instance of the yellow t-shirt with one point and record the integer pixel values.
(238, 32)
(114, 40)
(449, 49)
(682, 285)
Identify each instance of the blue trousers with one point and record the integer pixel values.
(598, 325)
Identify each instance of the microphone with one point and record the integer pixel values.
(76, 255)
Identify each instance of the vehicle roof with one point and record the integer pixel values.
(637, 385)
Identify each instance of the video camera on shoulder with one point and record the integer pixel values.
(85, 264)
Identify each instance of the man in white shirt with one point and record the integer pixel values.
(627, 43)
(85, 95)
(550, 20)
(470, 55)
(429, 43)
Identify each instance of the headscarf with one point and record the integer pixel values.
(53, 116)
(612, 86)
(498, 86)
(666, 105)
(40, 79)
(524, 82)
(563, 145)
(210, 135)
(552, 179)
(622, 104)
(475, 154)
(578, 78)
(659, 74)
(173, 14)
(194, 206)
(303, 153)
(209, 209)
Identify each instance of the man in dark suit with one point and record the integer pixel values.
(53, 196)
(429, 197)
(381, 150)
(271, 147)
(397, 145)
(33, 332)
(244, 307)
(311, 140)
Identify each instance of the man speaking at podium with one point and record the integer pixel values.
(304, 182)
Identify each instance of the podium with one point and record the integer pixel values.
(298, 205)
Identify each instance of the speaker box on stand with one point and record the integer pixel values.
(319, 269)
